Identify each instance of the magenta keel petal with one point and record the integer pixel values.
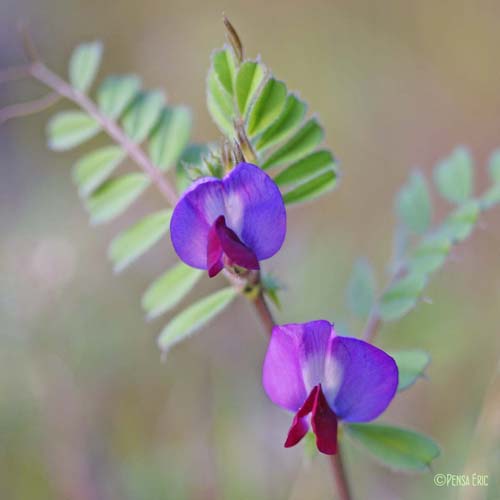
(235, 250)
(323, 420)
(214, 252)
(324, 424)
(300, 426)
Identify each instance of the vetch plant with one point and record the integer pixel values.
(225, 207)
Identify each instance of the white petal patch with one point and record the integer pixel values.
(332, 379)
(235, 211)
(213, 204)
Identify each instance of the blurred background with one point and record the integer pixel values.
(87, 409)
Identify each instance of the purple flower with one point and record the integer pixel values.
(309, 369)
(238, 220)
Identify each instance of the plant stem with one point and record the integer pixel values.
(339, 475)
(15, 73)
(264, 313)
(41, 73)
(28, 107)
(372, 326)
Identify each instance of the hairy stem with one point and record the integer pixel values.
(264, 313)
(40, 72)
(338, 471)
(372, 326)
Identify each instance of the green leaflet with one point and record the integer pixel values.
(132, 243)
(115, 196)
(250, 76)
(454, 176)
(397, 448)
(290, 118)
(494, 166)
(461, 222)
(84, 64)
(170, 137)
(311, 189)
(401, 296)
(491, 197)
(310, 166)
(267, 106)
(225, 69)
(142, 115)
(302, 143)
(361, 289)
(169, 289)
(94, 168)
(194, 317)
(116, 93)
(413, 203)
(220, 105)
(272, 118)
(430, 254)
(68, 129)
(411, 366)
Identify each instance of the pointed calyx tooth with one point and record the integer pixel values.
(226, 156)
(244, 143)
(234, 39)
(238, 155)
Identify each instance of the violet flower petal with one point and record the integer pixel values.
(252, 206)
(282, 374)
(192, 219)
(367, 379)
(255, 210)
(295, 361)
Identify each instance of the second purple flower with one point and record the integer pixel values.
(235, 221)
(324, 378)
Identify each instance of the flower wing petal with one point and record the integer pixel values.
(367, 379)
(192, 218)
(255, 210)
(282, 374)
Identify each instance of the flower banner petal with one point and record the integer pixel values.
(255, 210)
(368, 379)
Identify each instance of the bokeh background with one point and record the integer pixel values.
(87, 409)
